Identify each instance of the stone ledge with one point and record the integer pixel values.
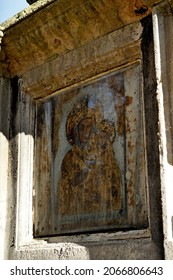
(117, 48)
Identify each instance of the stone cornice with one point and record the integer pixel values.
(50, 28)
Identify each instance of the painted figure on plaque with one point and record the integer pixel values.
(90, 176)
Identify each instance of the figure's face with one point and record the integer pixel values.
(102, 140)
(84, 130)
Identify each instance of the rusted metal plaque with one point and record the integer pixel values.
(90, 172)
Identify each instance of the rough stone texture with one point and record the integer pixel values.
(168, 250)
(22, 15)
(61, 251)
(152, 2)
(68, 26)
(125, 250)
(102, 54)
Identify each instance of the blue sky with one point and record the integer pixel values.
(9, 8)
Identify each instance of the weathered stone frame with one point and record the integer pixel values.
(20, 243)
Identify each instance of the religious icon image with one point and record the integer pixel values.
(92, 174)
(90, 187)
(91, 178)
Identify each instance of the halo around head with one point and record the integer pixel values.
(84, 108)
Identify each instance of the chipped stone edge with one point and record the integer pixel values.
(31, 9)
(102, 237)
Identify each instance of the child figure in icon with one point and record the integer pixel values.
(90, 176)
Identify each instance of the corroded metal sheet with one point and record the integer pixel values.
(90, 157)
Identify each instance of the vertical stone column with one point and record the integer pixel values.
(162, 26)
(4, 149)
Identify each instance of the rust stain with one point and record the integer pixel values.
(140, 9)
(130, 147)
(128, 128)
(129, 100)
(131, 201)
